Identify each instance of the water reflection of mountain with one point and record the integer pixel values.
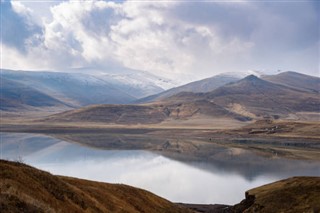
(211, 157)
(207, 156)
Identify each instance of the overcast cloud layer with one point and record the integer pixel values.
(169, 38)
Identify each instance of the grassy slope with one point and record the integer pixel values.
(23, 188)
(297, 194)
(292, 195)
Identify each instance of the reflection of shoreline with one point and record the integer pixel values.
(183, 161)
(227, 157)
(212, 157)
(253, 166)
(295, 140)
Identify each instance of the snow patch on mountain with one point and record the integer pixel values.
(242, 74)
(130, 77)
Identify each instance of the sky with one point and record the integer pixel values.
(174, 39)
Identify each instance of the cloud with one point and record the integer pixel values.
(276, 30)
(148, 37)
(173, 39)
(16, 28)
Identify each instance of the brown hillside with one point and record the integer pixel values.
(146, 114)
(264, 98)
(297, 194)
(254, 97)
(26, 189)
(296, 80)
(119, 114)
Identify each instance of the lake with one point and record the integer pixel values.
(204, 182)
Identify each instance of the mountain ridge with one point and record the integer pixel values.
(204, 85)
(81, 89)
(295, 79)
(17, 96)
(244, 100)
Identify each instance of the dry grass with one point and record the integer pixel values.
(26, 189)
(298, 194)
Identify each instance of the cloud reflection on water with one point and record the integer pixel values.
(199, 182)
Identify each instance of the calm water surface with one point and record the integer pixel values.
(192, 182)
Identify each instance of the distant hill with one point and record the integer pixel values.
(26, 189)
(137, 83)
(264, 98)
(296, 80)
(80, 87)
(119, 114)
(146, 114)
(202, 86)
(254, 97)
(15, 96)
(70, 88)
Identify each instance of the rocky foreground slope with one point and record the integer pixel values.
(297, 194)
(26, 189)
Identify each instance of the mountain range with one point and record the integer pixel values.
(114, 97)
(73, 89)
(250, 98)
(16, 96)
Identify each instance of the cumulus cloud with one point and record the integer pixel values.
(166, 38)
(16, 28)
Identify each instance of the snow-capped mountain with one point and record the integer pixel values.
(203, 85)
(81, 87)
(139, 83)
(74, 89)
